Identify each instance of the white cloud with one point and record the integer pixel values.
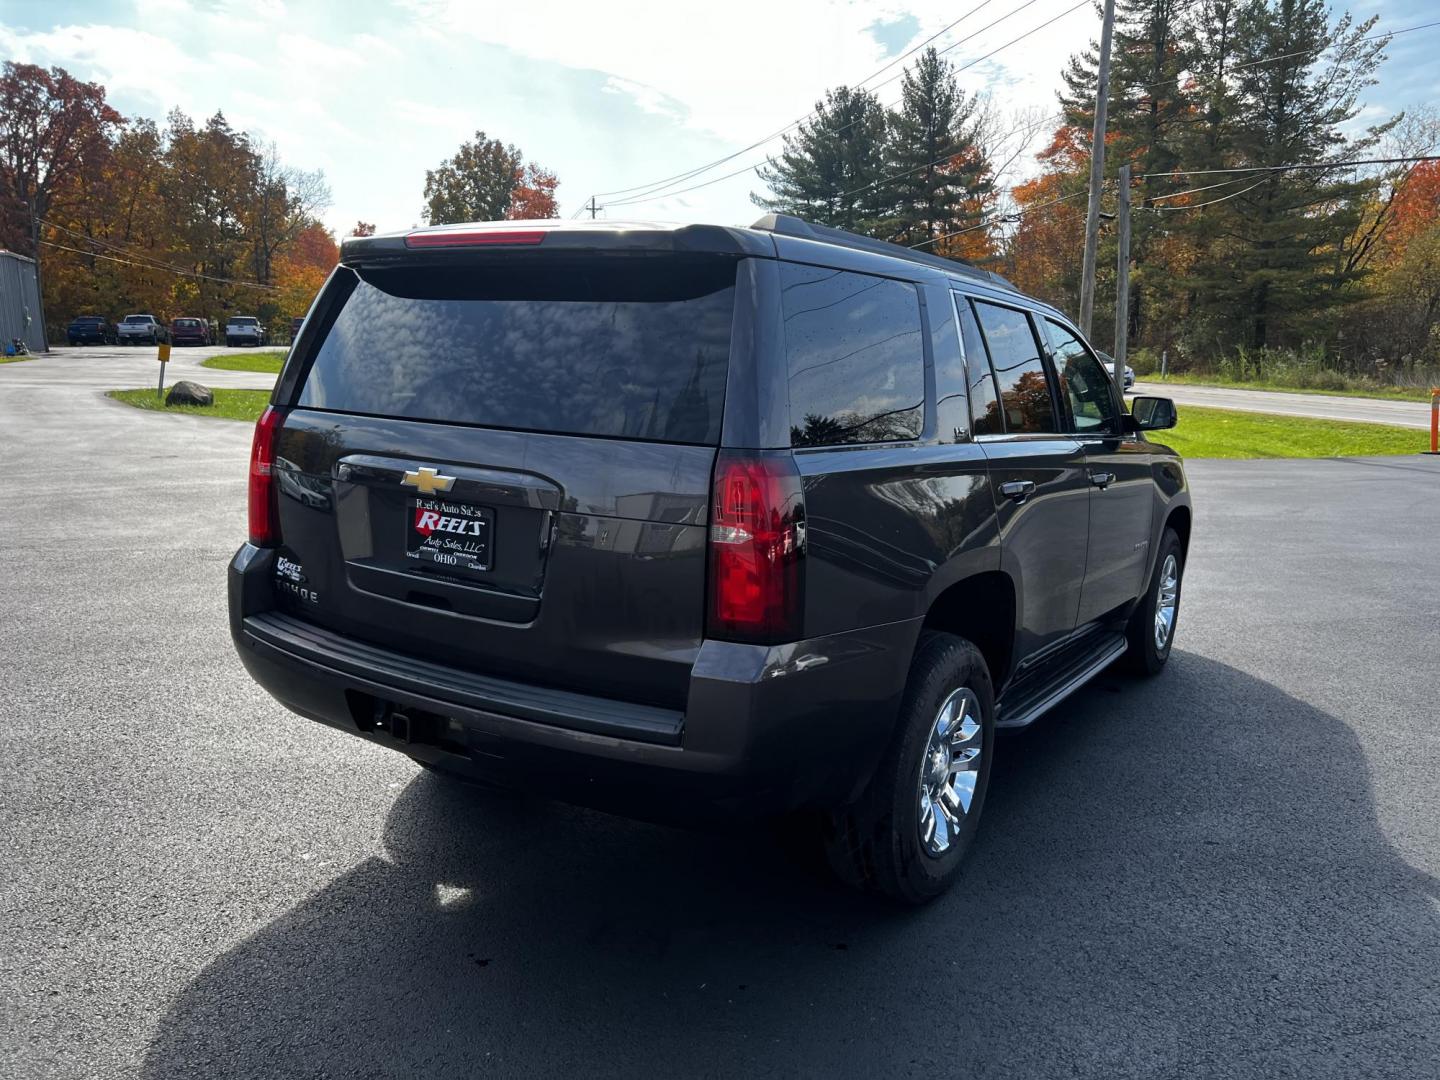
(647, 98)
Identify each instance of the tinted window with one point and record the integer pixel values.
(1086, 382)
(984, 403)
(1024, 388)
(633, 350)
(856, 358)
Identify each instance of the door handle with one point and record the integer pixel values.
(1019, 490)
(1102, 480)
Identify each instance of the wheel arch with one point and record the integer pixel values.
(980, 608)
(1179, 520)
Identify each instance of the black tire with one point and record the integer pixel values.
(1145, 656)
(875, 844)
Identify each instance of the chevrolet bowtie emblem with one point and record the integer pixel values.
(427, 481)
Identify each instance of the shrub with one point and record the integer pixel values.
(1145, 362)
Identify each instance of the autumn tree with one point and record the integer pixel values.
(52, 128)
(1050, 224)
(476, 184)
(534, 195)
(284, 201)
(363, 228)
(303, 268)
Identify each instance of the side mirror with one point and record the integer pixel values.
(1152, 413)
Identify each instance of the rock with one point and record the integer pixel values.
(186, 392)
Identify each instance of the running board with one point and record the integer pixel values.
(1020, 706)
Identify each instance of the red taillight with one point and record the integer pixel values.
(264, 526)
(474, 238)
(757, 540)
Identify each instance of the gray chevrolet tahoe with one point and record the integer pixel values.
(691, 522)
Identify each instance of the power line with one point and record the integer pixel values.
(1345, 46)
(1207, 202)
(1191, 191)
(148, 266)
(1409, 160)
(1013, 216)
(159, 264)
(656, 194)
(680, 177)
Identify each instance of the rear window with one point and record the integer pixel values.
(187, 323)
(856, 357)
(632, 350)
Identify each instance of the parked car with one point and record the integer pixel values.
(1127, 377)
(244, 330)
(141, 330)
(704, 522)
(190, 331)
(90, 330)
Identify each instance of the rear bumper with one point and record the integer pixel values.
(764, 730)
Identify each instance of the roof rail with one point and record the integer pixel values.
(790, 225)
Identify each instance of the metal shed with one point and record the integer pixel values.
(20, 314)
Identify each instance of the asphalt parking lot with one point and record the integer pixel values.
(1230, 870)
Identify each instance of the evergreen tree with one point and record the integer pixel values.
(939, 168)
(831, 169)
(1147, 113)
(1296, 82)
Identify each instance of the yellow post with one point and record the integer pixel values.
(163, 356)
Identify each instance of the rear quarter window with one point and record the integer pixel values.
(855, 357)
(1025, 395)
(637, 350)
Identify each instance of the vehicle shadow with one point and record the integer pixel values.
(1176, 877)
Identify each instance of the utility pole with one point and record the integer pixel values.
(1097, 172)
(1122, 280)
(39, 286)
(592, 207)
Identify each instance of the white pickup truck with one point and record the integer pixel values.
(141, 330)
(244, 330)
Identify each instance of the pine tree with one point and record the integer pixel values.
(831, 169)
(1146, 117)
(1296, 82)
(935, 155)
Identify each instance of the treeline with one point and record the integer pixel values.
(188, 219)
(1239, 257)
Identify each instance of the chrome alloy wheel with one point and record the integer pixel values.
(1167, 602)
(949, 771)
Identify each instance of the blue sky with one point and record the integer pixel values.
(609, 95)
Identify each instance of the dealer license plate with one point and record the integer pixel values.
(450, 536)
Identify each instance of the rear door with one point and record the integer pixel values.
(505, 465)
(1037, 469)
(1122, 489)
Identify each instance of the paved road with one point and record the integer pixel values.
(1227, 871)
(113, 367)
(1414, 414)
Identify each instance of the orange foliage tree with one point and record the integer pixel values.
(301, 272)
(534, 194)
(1042, 252)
